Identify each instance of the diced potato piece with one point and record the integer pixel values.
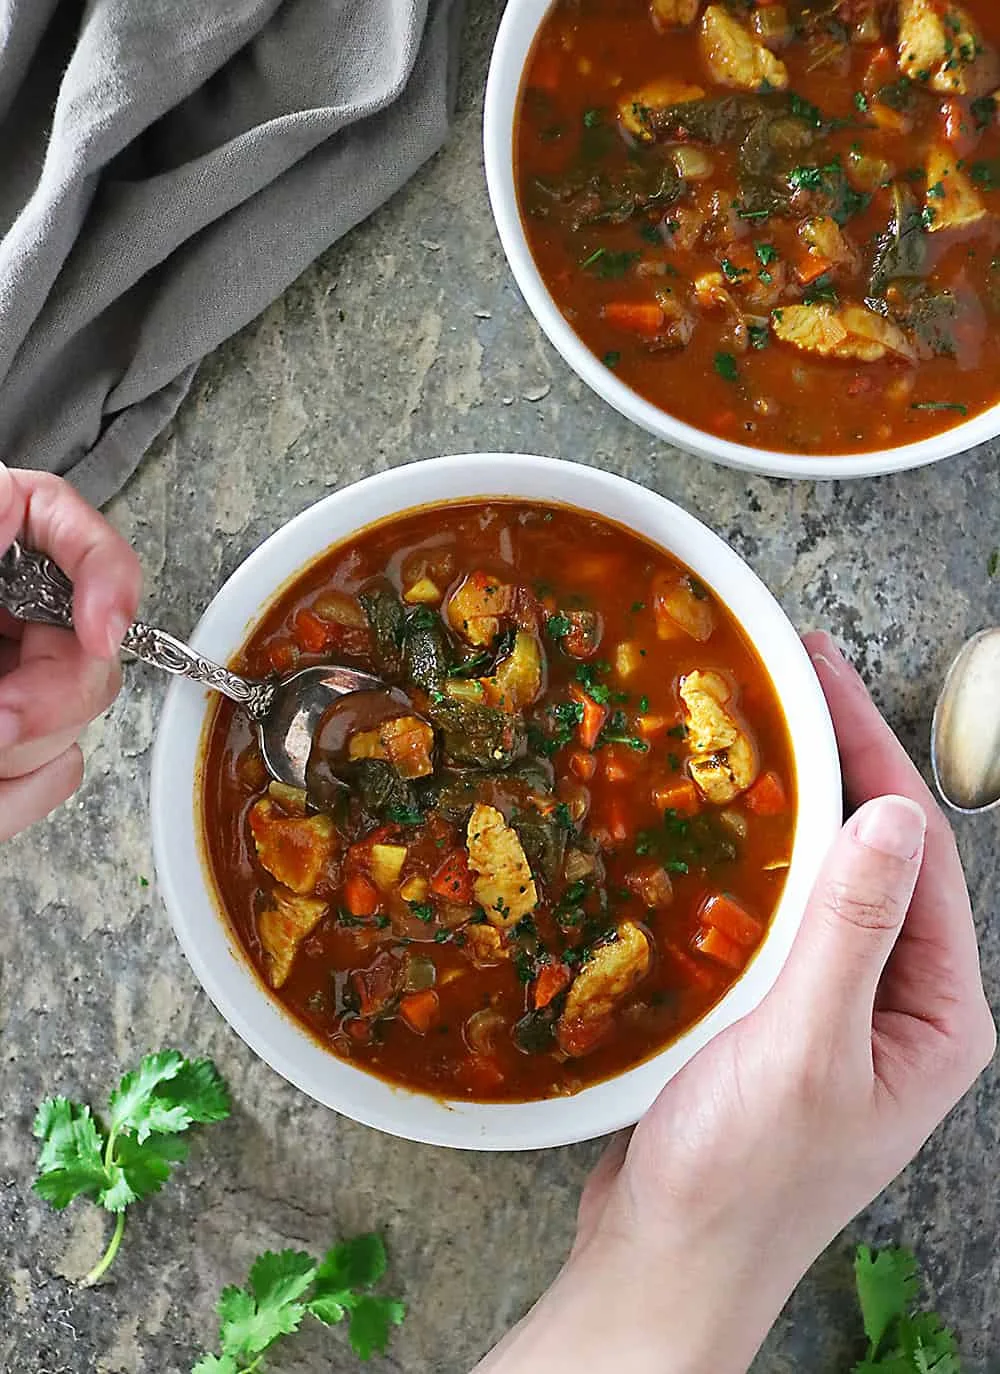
(518, 678)
(724, 761)
(465, 689)
(952, 199)
(409, 745)
(484, 945)
(503, 885)
(294, 850)
(414, 889)
(386, 864)
(734, 56)
(847, 331)
(424, 592)
(407, 742)
(674, 13)
(628, 659)
(825, 240)
(635, 110)
(939, 44)
(292, 800)
(477, 606)
(601, 984)
(679, 610)
(366, 744)
(282, 928)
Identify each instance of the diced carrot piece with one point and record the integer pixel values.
(639, 317)
(725, 915)
(361, 896)
(651, 726)
(584, 765)
(811, 268)
(616, 769)
(545, 70)
(551, 981)
(453, 879)
(594, 717)
(617, 823)
(680, 797)
(283, 655)
(714, 945)
(692, 971)
(312, 634)
(890, 121)
(480, 1076)
(767, 797)
(419, 1010)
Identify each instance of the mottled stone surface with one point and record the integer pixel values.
(409, 340)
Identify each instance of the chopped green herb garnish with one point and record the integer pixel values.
(404, 815)
(822, 291)
(585, 676)
(726, 367)
(941, 405)
(423, 911)
(861, 102)
(731, 272)
(993, 564)
(766, 254)
(612, 358)
(558, 625)
(591, 118)
(643, 704)
(760, 335)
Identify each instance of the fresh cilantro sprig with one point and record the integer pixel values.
(131, 1157)
(283, 1288)
(900, 1341)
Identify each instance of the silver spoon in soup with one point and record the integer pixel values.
(287, 711)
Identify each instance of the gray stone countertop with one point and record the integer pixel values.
(408, 340)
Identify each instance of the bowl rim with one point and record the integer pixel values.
(213, 950)
(515, 38)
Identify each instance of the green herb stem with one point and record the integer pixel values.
(107, 1259)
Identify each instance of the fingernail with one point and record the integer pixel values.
(894, 826)
(10, 728)
(117, 625)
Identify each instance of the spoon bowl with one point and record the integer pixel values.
(965, 736)
(299, 702)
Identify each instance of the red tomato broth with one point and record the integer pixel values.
(589, 54)
(570, 558)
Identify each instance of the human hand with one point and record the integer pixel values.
(53, 683)
(785, 1126)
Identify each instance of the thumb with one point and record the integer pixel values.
(857, 910)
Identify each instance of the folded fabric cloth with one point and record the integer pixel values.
(167, 168)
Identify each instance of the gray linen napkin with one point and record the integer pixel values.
(167, 168)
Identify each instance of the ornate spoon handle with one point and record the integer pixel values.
(34, 588)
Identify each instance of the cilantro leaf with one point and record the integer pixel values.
(372, 1321)
(357, 1263)
(133, 1157)
(887, 1285)
(132, 1101)
(70, 1161)
(254, 1317)
(139, 1170)
(216, 1364)
(284, 1287)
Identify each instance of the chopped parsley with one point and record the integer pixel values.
(591, 118)
(423, 911)
(731, 272)
(766, 254)
(760, 335)
(586, 674)
(822, 291)
(403, 815)
(612, 358)
(941, 405)
(558, 625)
